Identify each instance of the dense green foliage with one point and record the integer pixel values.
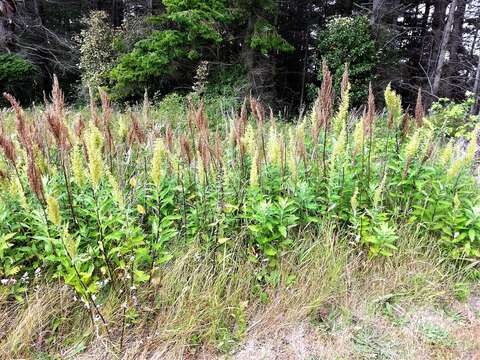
(17, 76)
(350, 41)
(453, 119)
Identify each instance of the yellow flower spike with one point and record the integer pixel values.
(455, 169)
(342, 114)
(133, 182)
(412, 147)
(116, 192)
(156, 165)
(53, 210)
(141, 209)
(339, 146)
(77, 167)
(393, 102)
(447, 153)
(358, 137)
(95, 161)
(274, 148)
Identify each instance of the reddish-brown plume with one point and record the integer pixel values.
(323, 107)
(186, 149)
(218, 148)
(107, 115)
(58, 129)
(79, 127)
(201, 120)
(58, 99)
(419, 112)
(370, 117)
(35, 179)
(258, 111)
(8, 148)
(136, 133)
(169, 138)
(23, 130)
(405, 124)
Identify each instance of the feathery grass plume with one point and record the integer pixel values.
(169, 138)
(358, 136)
(58, 99)
(94, 148)
(201, 169)
(156, 165)
(201, 120)
(324, 105)
(136, 133)
(377, 196)
(186, 150)
(35, 180)
(394, 105)
(447, 153)
(79, 128)
(53, 210)
(218, 149)
(117, 194)
(370, 118)
(419, 112)
(258, 112)
(77, 166)
(58, 129)
(342, 114)
(23, 129)
(8, 148)
(405, 125)
(254, 170)
(106, 118)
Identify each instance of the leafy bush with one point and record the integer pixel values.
(97, 49)
(17, 76)
(349, 41)
(451, 119)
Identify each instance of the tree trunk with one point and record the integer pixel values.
(456, 45)
(149, 6)
(476, 91)
(7, 26)
(438, 24)
(443, 49)
(37, 9)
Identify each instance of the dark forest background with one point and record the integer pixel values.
(271, 49)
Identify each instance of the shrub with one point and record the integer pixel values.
(349, 41)
(17, 76)
(452, 119)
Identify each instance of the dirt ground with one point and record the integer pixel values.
(385, 330)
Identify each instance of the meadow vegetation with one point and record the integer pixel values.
(158, 229)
